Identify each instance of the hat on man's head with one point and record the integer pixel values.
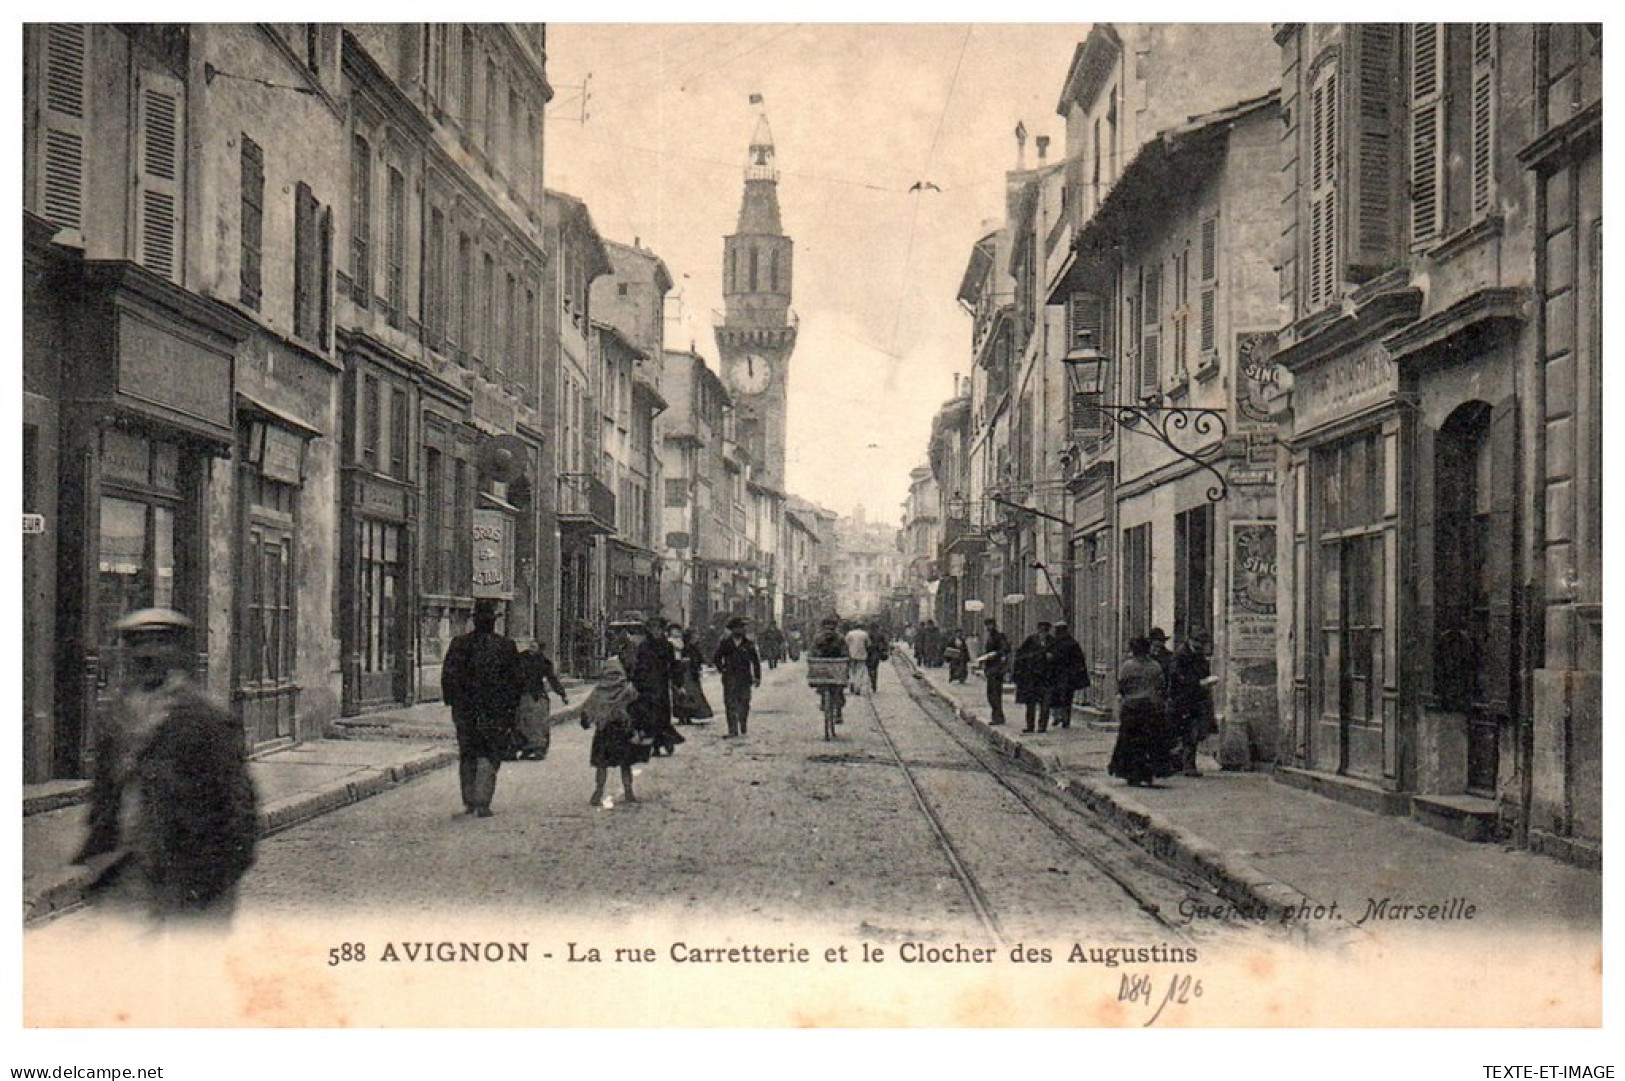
(486, 608)
(736, 623)
(1157, 634)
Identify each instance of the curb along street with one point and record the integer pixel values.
(1235, 880)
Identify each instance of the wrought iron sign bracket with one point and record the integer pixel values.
(1163, 422)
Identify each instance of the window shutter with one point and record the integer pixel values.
(361, 221)
(1151, 343)
(1209, 291)
(1498, 549)
(324, 276)
(1483, 118)
(1374, 146)
(1323, 246)
(62, 176)
(1427, 122)
(252, 224)
(160, 205)
(1084, 318)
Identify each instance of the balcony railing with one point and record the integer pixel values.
(586, 502)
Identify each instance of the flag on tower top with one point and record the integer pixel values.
(756, 99)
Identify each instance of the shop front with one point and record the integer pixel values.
(147, 411)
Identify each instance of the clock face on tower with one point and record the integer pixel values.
(750, 374)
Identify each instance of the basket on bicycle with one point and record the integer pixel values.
(826, 671)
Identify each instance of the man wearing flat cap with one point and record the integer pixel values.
(481, 682)
(173, 816)
(740, 665)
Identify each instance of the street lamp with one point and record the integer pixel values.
(1086, 378)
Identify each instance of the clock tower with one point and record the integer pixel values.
(757, 332)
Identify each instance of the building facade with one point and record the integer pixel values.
(181, 386)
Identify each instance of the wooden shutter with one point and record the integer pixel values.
(252, 224)
(1151, 341)
(1210, 285)
(1427, 132)
(1373, 150)
(1323, 246)
(62, 106)
(1498, 664)
(159, 188)
(1085, 318)
(324, 275)
(1483, 118)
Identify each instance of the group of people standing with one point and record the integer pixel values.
(1165, 708)
(1048, 670)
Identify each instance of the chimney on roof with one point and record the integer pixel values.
(1043, 148)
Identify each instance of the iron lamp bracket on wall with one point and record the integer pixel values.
(1169, 425)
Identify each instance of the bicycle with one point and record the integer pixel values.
(828, 676)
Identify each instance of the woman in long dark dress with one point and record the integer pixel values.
(616, 743)
(1141, 754)
(689, 704)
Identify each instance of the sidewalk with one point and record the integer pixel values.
(361, 757)
(1269, 847)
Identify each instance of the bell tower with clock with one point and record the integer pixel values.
(757, 333)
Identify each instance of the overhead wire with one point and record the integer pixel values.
(914, 219)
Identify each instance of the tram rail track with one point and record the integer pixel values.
(1117, 858)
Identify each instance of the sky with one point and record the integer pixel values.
(859, 114)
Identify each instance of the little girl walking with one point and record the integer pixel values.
(615, 742)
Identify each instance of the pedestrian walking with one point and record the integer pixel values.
(772, 645)
(994, 659)
(1030, 672)
(1140, 755)
(616, 741)
(957, 654)
(480, 681)
(689, 705)
(739, 663)
(857, 658)
(534, 720)
(1069, 674)
(173, 814)
(657, 676)
(1190, 699)
(879, 649)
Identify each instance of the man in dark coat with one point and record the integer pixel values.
(173, 816)
(657, 675)
(1069, 673)
(740, 666)
(878, 650)
(1031, 675)
(995, 658)
(481, 680)
(1190, 699)
(1159, 649)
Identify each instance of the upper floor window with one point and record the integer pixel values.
(361, 220)
(395, 272)
(64, 127)
(160, 168)
(1451, 82)
(312, 267)
(252, 224)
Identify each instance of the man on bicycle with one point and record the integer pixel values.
(829, 643)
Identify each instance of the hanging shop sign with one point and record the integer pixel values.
(493, 554)
(973, 605)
